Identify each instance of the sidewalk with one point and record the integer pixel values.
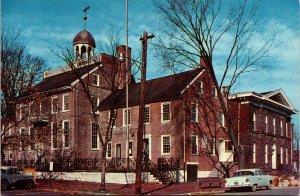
(92, 188)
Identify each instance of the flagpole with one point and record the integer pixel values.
(127, 70)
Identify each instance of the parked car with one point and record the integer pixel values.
(249, 178)
(12, 177)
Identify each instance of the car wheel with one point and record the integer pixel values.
(4, 185)
(253, 188)
(269, 187)
(29, 184)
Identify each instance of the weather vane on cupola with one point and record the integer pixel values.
(85, 17)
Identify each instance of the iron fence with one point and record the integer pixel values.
(112, 165)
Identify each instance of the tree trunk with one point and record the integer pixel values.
(103, 169)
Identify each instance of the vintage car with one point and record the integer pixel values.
(12, 177)
(249, 178)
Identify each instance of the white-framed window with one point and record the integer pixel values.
(266, 123)
(125, 116)
(266, 154)
(95, 103)
(212, 144)
(165, 144)
(254, 153)
(22, 111)
(54, 105)
(108, 152)
(194, 144)
(31, 134)
(214, 92)
(204, 142)
(96, 81)
(274, 125)
(165, 112)
(54, 135)
(66, 133)
(113, 118)
(200, 88)
(221, 119)
(194, 112)
(147, 114)
(95, 136)
(254, 121)
(22, 133)
(66, 103)
(281, 155)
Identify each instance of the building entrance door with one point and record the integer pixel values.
(146, 148)
(274, 157)
(192, 171)
(118, 151)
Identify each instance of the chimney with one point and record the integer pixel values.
(204, 61)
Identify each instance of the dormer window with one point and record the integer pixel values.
(214, 92)
(96, 80)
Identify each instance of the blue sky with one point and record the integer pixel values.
(46, 24)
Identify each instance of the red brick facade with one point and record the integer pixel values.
(263, 127)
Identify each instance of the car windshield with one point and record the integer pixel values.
(243, 173)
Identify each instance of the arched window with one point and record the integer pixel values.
(266, 122)
(286, 156)
(266, 153)
(274, 122)
(254, 122)
(254, 153)
(83, 52)
(281, 155)
(281, 127)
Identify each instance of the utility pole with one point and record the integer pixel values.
(140, 131)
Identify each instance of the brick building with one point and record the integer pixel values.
(175, 107)
(183, 118)
(263, 127)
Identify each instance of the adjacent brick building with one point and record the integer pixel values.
(263, 127)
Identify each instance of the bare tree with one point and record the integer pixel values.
(20, 71)
(195, 30)
(112, 80)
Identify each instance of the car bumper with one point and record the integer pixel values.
(232, 186)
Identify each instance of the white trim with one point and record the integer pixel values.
(51, 137)
(98, 139)
(63, 134)
(85, 75)
(199, 74)
(124, 119)
(197, 145)
(63, 102)
(127, 148)
(54, 97)
(109, 143)
(161, 144)
(116, 150)
(98, 79)
(148, 136)
(262, 97)
(162, 114)
(146, 123)
(196, 110)
(192, 163)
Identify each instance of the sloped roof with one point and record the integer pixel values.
(156, 90)
(62, 79)
(277, 97)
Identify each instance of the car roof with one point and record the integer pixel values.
(247, 170)
(8, 167)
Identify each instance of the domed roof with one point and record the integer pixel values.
(84, 37)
